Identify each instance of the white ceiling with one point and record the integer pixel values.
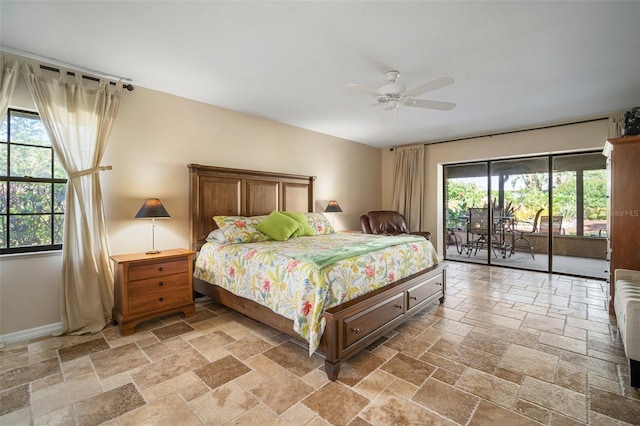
(516, 64)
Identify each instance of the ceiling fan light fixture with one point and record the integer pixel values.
(391, 105)
(394, 94)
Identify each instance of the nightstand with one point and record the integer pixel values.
(151, 285)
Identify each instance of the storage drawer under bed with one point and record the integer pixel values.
(360, 325)
(418, 294)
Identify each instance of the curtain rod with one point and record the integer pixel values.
(508, 132)
(127, 86)
(56, 62)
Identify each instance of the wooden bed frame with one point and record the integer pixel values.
(350, 326)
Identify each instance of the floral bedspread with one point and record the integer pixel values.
(270, 273)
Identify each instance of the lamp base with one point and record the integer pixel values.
(153, 252)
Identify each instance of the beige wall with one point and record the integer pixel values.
(156, 135)
(154, 138)
(576, 137)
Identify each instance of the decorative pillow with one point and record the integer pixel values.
(319, 223)
(216, 235)
(241, 229)
(304, 229)
(278, 226)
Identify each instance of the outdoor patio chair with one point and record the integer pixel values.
(454, 227)
(521, 235)
(556, 225)
(477, 230)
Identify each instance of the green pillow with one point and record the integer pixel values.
(278, 226)
(304, 229)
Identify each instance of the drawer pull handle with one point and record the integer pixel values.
(161, 269)
(160, 283)
(161, 299)
(398, 306)
(413, 298)
(355, 330)
(440, 284)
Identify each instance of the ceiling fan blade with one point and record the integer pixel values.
(430, 86)
(364, 89)
(420, 103)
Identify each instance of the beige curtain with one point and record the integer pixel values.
(408, 185)
(78, 116)
(616, 123)
(9, 67)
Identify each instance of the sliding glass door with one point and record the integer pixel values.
(467, 189)
(521, 195)
(544, 213)
(578, 225)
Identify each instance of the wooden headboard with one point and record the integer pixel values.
(235, 192)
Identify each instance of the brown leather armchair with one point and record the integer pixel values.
(387, 222)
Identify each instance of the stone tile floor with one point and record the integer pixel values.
(506, 348)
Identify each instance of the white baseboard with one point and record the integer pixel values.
(32, 333)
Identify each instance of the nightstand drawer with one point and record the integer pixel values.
(159, 300)
(141, 288)
(157, 269)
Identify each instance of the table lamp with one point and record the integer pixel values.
(333, 207)
(152, 208)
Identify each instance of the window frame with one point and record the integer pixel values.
(8, 179)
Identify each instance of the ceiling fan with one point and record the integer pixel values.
(394, 94)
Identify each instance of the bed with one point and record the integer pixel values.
(337, 330)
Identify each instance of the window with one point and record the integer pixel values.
(32, 186)
(549, 213)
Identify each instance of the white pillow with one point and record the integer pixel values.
(216, 235)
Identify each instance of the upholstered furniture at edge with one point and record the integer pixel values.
(387, 222)
(627, 307)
